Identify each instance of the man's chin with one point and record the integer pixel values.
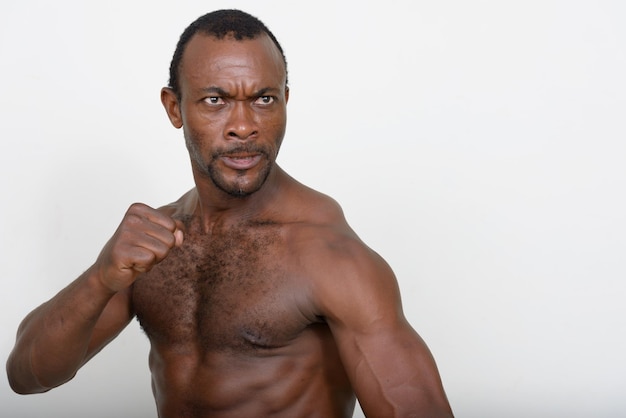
(242, 184)
(239, 193)
(238, 189)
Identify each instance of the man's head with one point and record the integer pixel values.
(229, 94)
(219, 24)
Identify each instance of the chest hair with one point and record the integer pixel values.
(226, 290)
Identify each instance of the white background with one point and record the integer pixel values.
(479, 146)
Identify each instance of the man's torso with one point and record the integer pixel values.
(233, 328)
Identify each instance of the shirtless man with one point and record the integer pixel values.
(257, 297)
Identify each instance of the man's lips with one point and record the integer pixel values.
(241, 162)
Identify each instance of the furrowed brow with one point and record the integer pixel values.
(216, 90)
(265, 91)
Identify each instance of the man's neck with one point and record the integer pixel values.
(214, 205)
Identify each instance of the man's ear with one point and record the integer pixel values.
(172, 106)
(286, 94)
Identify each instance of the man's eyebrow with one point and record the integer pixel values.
(215, 90)
(223, 93)
(266, 90)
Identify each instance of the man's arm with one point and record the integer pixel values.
(58, 337)
(390, 367)
(61, 335)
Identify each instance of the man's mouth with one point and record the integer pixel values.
(241, 161)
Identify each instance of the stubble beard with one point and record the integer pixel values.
(241, 187)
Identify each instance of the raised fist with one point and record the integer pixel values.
(144, 238)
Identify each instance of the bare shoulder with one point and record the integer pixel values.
(183, 207)
(343, 271)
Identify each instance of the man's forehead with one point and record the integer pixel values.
(207, 54)
(206, 46)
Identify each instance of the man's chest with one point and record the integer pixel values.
(234, 293)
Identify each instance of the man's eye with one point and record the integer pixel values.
(214, 100)
(265, 100)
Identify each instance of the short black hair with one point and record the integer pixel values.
(220, 24)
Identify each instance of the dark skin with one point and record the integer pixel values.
(257, 297)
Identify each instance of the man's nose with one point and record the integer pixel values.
(241, 123)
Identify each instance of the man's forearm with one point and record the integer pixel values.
(52, 341)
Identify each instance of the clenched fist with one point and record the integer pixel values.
(144, 238)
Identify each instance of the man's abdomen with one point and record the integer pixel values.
(305, 379)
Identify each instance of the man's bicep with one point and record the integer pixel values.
(393, 372)
(389, 365)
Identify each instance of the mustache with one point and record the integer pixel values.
(241, 149)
